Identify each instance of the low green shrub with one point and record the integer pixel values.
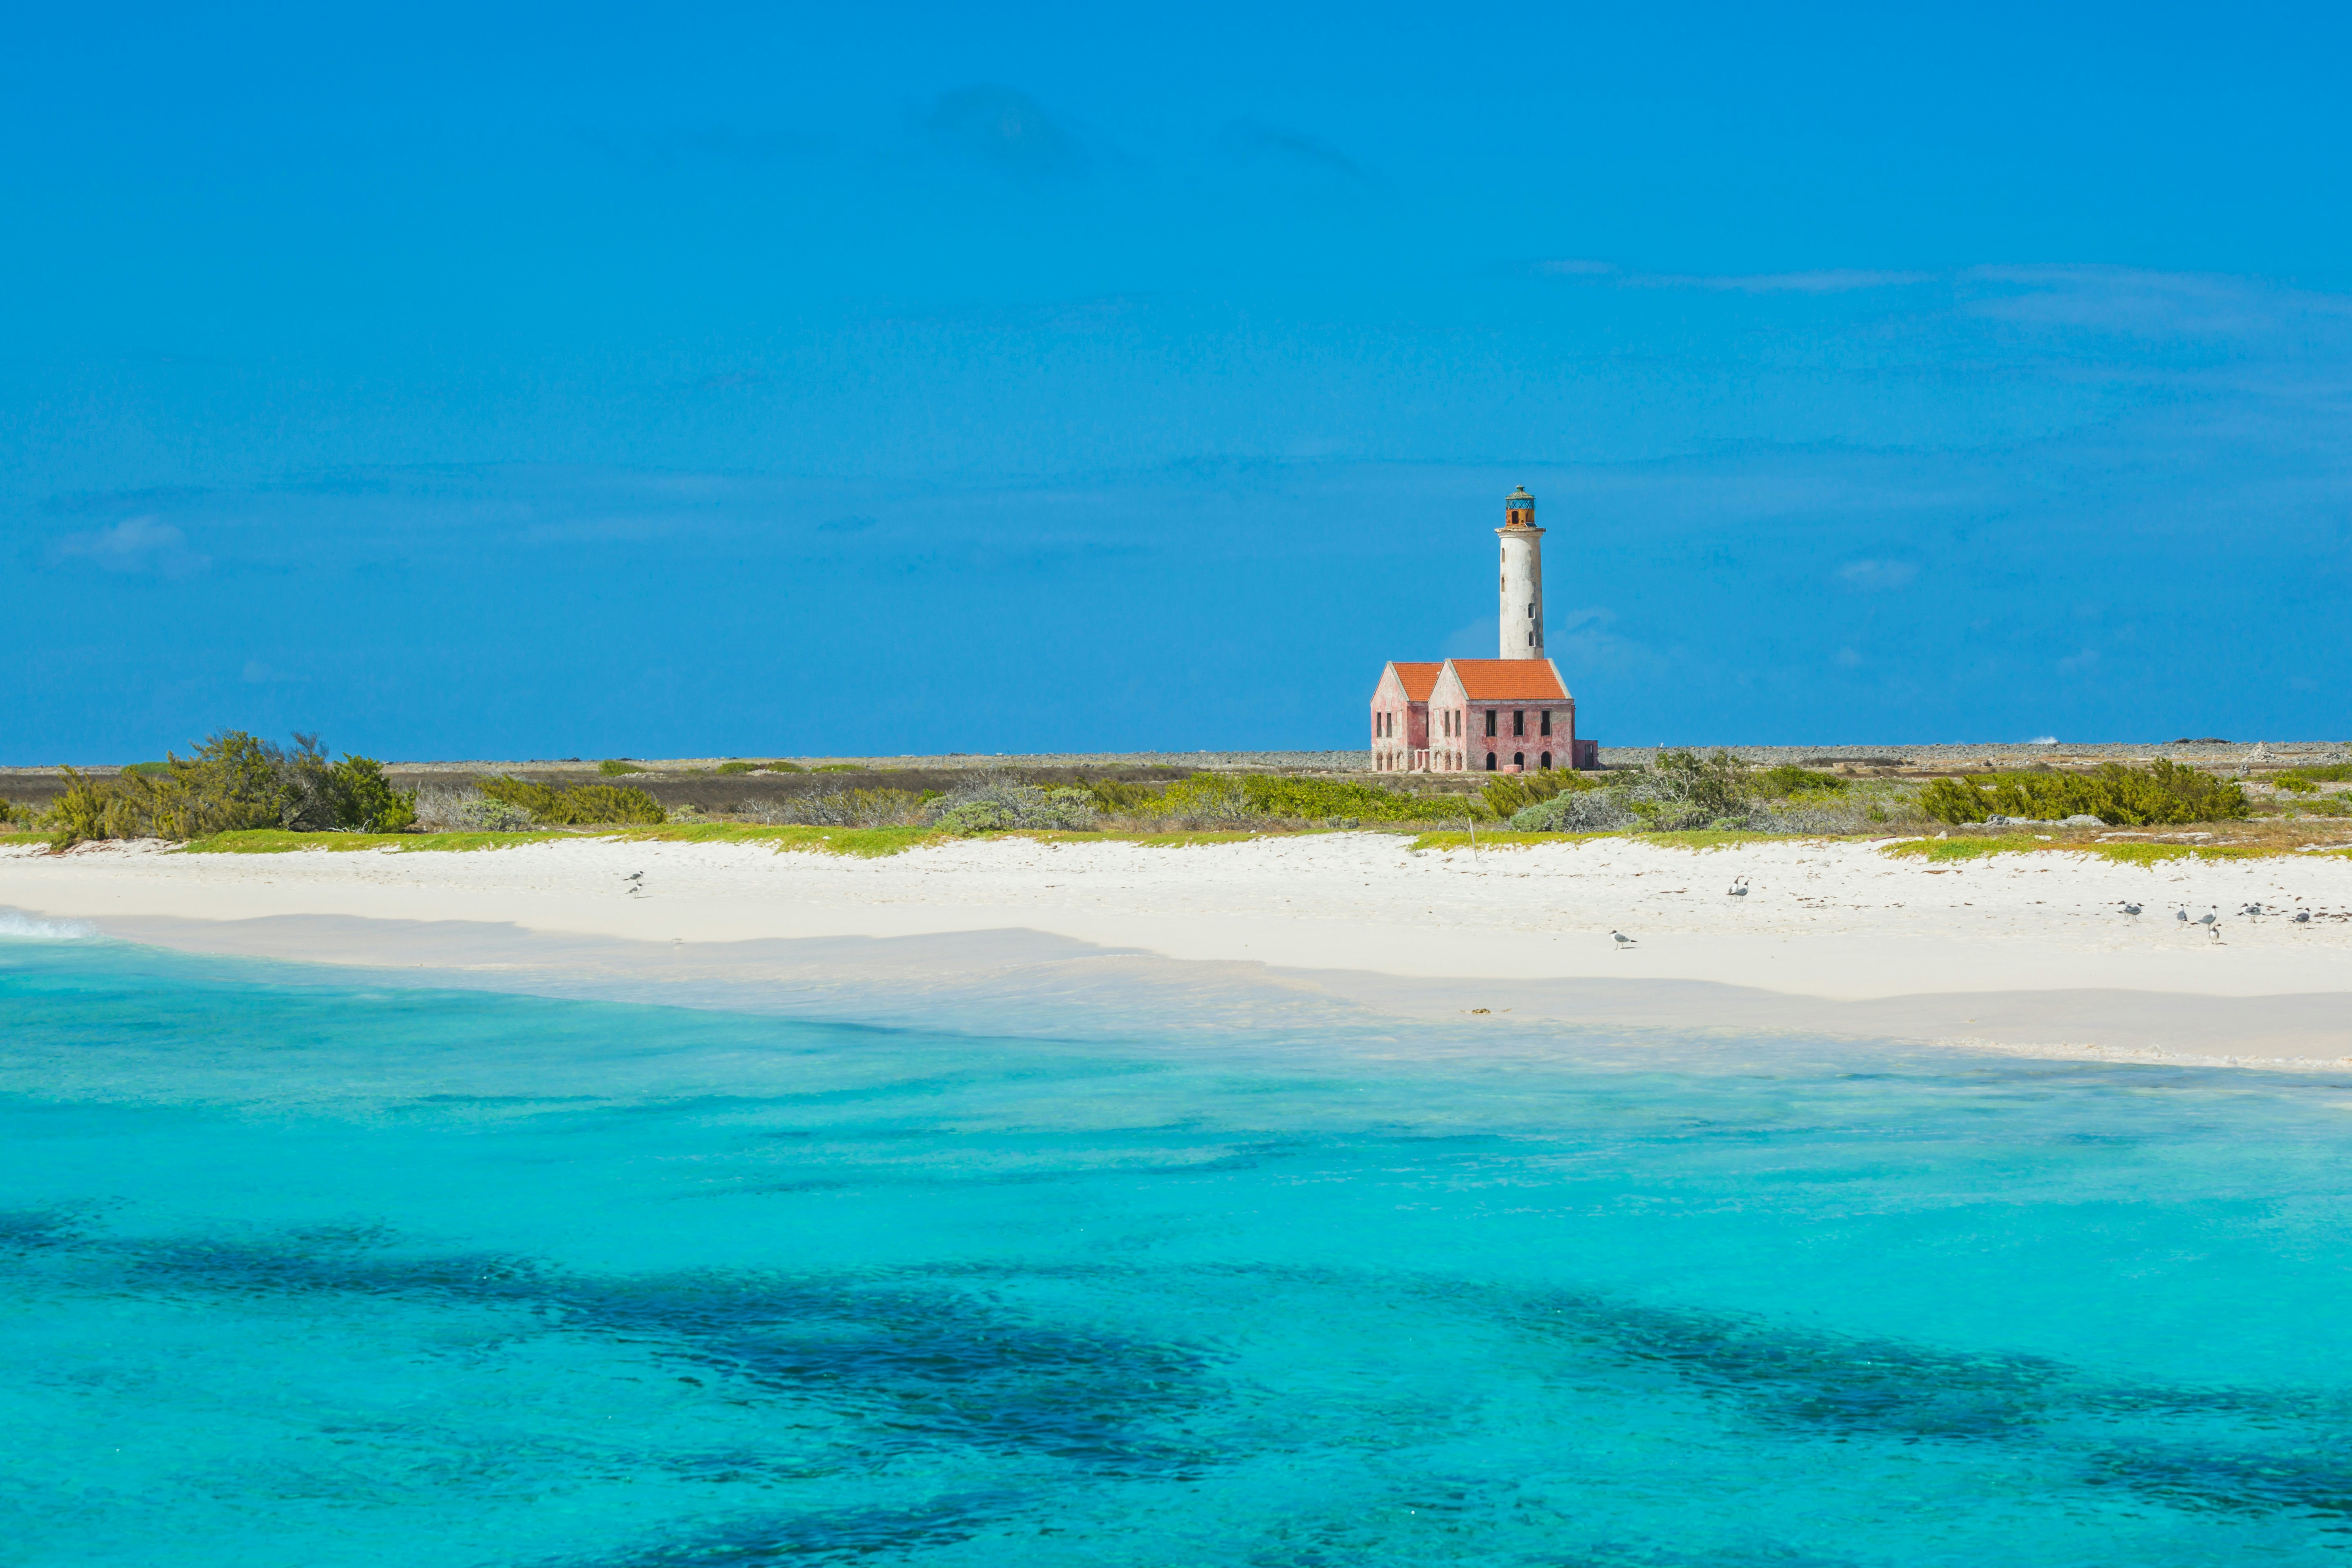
(2306, 781)
(999, 807)
(1119, 798)
(613, 767)
(582, 805)
(1506, 794)
(364, 801)
(1233, 797)
(2117, 795)
(859, 808)
(232, 783)
(1685, 790)
(1788, 779)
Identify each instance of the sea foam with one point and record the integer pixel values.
(16, 924)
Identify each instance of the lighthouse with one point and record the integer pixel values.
(1506, 715)
(1522, 620)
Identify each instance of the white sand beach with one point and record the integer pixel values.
(2018, 951)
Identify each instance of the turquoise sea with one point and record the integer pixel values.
(301, 1268)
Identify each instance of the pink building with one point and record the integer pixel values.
(1401, 717)
(1504, 715)
(1486, 715)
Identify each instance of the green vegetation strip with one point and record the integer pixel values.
(2123, 854)
(863, 841)
(1693, 838)
(276, 841)
(866, 842)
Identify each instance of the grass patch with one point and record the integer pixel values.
(866, 842)
(278, 841)
(1182, 839)
(1956, 848)
(1500, 838)
(24, 837)
(1722, 838)
(1969, 848)
(1690, 838)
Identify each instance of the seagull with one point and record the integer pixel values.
(2131, 909)
(2212, 920)
(2252, 910)
(1622, 940)
(634, 882)
(1739, 888)
(2303, 917)
(2181, 913)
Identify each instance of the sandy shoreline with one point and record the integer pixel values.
(2013, 952)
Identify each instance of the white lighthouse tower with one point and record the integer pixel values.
(1522, 628)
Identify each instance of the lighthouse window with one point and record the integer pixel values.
(1491, 717)
(1547, 721)
(1519, 722)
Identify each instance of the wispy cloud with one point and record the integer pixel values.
(1824, 281)
(1828, 281)
(2133, 302)
(1005, 129)
(1249, 139)
(141, 545)
(1878, 575)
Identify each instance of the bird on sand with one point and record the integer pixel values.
(1622, 940)
(2181, 914)
(1740, 888)
(2131, 909)
(2303, 917)
(2252, 910)
(2212, 920)
(634, 882)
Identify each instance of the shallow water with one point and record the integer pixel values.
(298, 1271)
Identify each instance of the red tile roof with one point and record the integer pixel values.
(1420, 679)
(1508, 679)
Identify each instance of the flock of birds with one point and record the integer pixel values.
(2210, 919)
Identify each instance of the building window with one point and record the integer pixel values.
(1519, 759)
(1544, 761)
(1547, 721)
(1491, 717)
(1490, 761)
(1519, 721)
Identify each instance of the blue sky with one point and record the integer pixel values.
(773, 380)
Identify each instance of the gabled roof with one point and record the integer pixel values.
(1508, 679)
(1420, 679)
